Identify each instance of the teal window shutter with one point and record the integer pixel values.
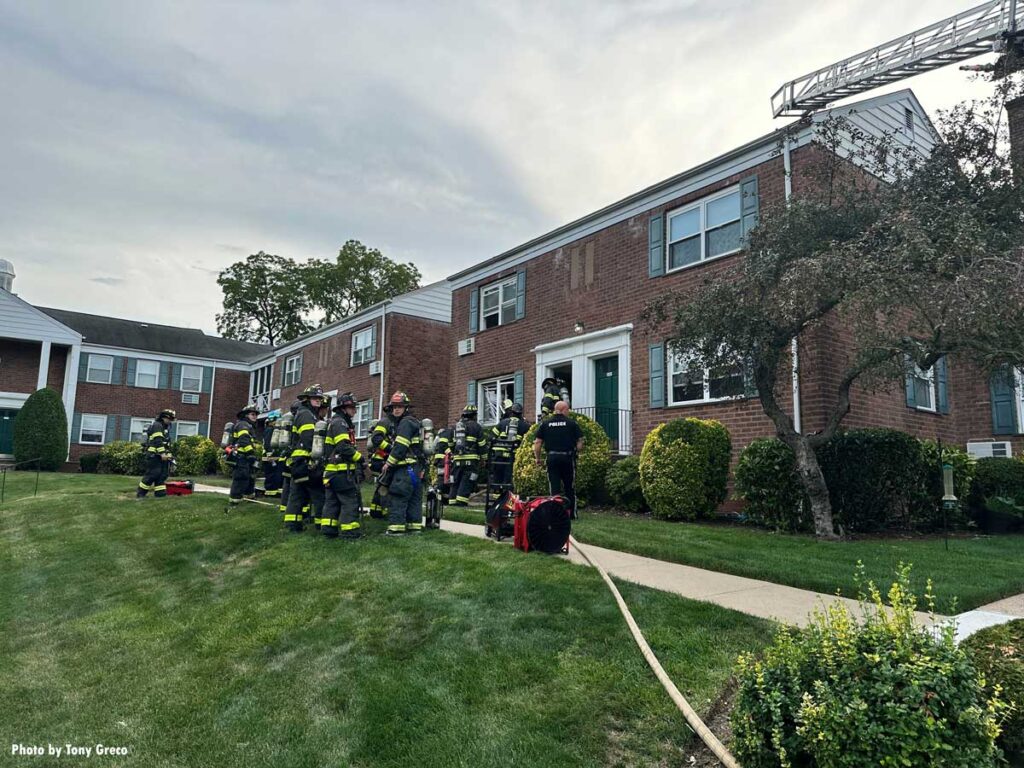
(125, 430)
(521, 294)
(656, 246)
(373, 342)
(129, 377)
(942, 384)
(657, 371)
(83, 366)
(204, 428)
(908, 381)
(474, 310)
(1004, 402)
(207, 378)
(109, 437)
(749, 205)
(117, 371)
(175, 382)
(76, 427)
(471, 392)
(173, 432)
(164, 380)
(518, 387)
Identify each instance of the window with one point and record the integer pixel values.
(364, 413)
(191, 378)
(147, 374)
(99, 370)
(696, 384)
(498, 303)
(362, 346)
(923, 383)
(93, 430)
(492, 394)
(186, 428)
(137, 431)
(292, 370)
(1019, 390)
(705, 230)
(259, 382)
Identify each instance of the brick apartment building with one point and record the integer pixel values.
(569, 304)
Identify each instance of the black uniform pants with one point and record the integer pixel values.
(562, 477)
(243, 479)
(286, 486)
(273, 477)
(405, 499)
(342, 507)
(464, 477)
(305, 497)
(154, 477)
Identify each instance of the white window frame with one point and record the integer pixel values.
(497, 383)
(675, 360)
(180, 424)
(502, 287)
(362, 349)
(292, 373)
(132, 432)
(156, 375)
(109, 370)
(929, 377)
(102, 430)
(199, 378)
(363, 425)
(702, 206)
(1019, 374)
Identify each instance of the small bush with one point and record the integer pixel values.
(226, 469)
(624, 489)
(999, 656)
(591, 465)
(195, 455)
(846, 693)
(766, 478)
(41, 431)
(89, 462)
(998, 478)
(684, 468)
(121, 457)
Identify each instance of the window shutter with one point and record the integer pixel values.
(207, 378)
(656, 246)
(942, 384)
(116, 370)
(749, 205)
(373, 342)
(471, 392)
(518, 387)
(129, 377)
(370, 426)
(909, 383)
(125, 428)
(521, 294)
(657, 371)
(175, 377)
(108, 436)
(76, 425)
(83, 366)
(474, 310)
(164, 379)
(1004, 406)
(172, 432)
(284, 369)
(204, 428)
(302, 358)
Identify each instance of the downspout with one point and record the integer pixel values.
(383, 357)
(213, 388)
(794, 352)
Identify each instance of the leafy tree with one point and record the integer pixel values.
(41, 431)
(911, 258)
(265, 300)
(358, 278)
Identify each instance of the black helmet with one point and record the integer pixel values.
(169, 413)
(548, 380)
(517, 409)
(344, 401)
(250, 408)
(295, 407)
(313, 391)
(469, 411)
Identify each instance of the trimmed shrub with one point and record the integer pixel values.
(225, 469)
(766, 478)
(195, 455)
(998, 654)
(684, 468)
(591, 465)
(89, 463)
(998, 478)
(623, 482)
(121, 457)
(41, 431)
(846, 693)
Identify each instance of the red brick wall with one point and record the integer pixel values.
(19, 365)
(55, 373)
(417, 363)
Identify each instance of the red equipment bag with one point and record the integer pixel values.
(179, 487)
(543, 524)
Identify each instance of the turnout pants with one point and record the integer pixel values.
(405, 500)
(562, 477)
(273, 477)
(243, 480)
(341, 507)
(464, 476)
(155, 477)
(305, 496)
(286, 487)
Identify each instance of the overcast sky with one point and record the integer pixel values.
(147, 145)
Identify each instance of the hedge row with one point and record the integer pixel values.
(195, 455)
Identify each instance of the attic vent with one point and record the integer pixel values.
(908, 120)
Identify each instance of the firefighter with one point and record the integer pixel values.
(379, 446)
(243, 442)
(307, 490)
(342, 473)
(507, 436)
(156, 447)
(286, 455)
(552, 394)
(403, 472)
(273, 466)
(563, 440)
(468, 440)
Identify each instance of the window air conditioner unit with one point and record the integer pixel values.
(988, 449)
(375, 368)
(275, 395)
(189, 398)
(467, 346)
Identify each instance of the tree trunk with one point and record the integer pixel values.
(814, 484)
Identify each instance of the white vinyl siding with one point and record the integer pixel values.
(93, 430)
(191, 378)
(498, 303)
(100, 368)
(704, 230)
(147, 374)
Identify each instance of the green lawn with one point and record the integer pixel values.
(976, 570)
(199, 638)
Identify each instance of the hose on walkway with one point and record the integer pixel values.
(716, 746)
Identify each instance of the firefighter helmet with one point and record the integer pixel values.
(517, 409)
(169, 413)
(344, 401)
(295, 407)
(548, 380)
(506, 404)
(250, 408)
(470, 411)
(399, 398)
(314, 391)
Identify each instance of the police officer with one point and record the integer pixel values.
(158, 456)
(468, 440)
(243, 440)
(286, 470)
(563, 440)
(379, 446)
(403, 473)
(552, 394)
(507, 436)
(273, 466)
(342, 473)
(307, 489)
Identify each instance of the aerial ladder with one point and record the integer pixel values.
(990, 27)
